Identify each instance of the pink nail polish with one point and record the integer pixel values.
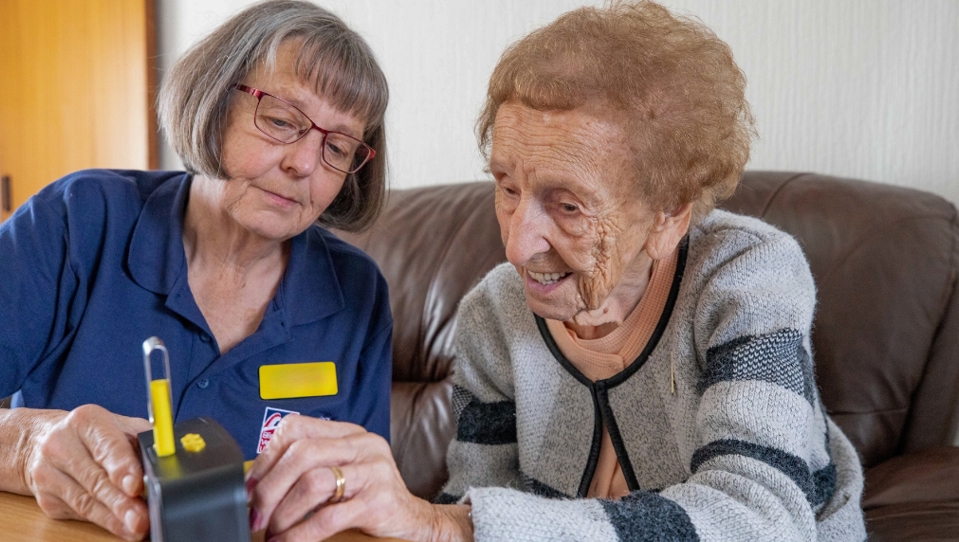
(250, 486)
(255, 520)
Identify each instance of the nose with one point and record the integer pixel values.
(527, 234)
(301, 158)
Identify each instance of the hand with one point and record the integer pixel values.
(83, 465)
(292, 483)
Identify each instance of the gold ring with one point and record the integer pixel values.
(340, 485)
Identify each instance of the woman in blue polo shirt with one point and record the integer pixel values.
(278, 118)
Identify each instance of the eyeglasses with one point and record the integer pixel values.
(282, 121)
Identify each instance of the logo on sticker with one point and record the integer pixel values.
(271, 419)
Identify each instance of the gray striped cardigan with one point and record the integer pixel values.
(740, 450)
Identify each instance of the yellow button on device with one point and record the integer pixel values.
(298, 380)
(192, 442)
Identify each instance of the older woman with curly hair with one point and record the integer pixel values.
(641, 368)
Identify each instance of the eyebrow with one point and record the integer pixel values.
(341, 128)
(550, 179)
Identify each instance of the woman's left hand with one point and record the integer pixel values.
(292, 483)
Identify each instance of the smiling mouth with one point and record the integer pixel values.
(547, 278)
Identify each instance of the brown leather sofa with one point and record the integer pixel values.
(886, 335)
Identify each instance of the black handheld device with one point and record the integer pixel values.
(192, 471)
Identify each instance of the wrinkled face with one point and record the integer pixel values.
(568, 209)
(278, 190)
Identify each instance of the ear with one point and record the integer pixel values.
(667, 231)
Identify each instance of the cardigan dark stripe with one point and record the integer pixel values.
(642, 515)
(818, 486)
(534, 486)
(824, 481)
(778, 358)
(487, 423)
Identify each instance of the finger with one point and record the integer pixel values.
(90, 446)
(64, 460)
(375, 498)
(310, 453)
(50, 502)
(301, 457)
(132, 524)
(109, 446)
(132, 426)
(370, 483)
(295, 428)
(326, 522)
(94, 484)
(311, 491)
(133, 486)
(306, 455)
(72, 501)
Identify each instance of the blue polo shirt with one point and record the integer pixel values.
(94, 264)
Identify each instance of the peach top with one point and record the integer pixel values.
(603, 358)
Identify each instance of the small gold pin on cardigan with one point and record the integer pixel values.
(672, 374)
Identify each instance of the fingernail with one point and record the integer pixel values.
(129, 485)
(250, 486)
(255, 520)
(130, 521)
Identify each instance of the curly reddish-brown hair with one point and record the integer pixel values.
(671, 83)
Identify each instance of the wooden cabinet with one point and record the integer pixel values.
(77, 81)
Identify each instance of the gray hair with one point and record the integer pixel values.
(194, 98)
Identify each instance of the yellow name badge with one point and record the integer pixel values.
(298, 380)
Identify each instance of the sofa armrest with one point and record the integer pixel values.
(926, 476)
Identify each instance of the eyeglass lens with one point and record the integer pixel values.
(285, 123)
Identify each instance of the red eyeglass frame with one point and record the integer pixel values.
(258, 94)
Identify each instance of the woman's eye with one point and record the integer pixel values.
(340, 147)
(330, 147)
(506, 189)
(280, 128)
(280, 123)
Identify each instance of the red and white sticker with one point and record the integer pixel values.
(271, 419)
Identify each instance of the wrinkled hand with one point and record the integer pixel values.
(83, 465)
(292, 484)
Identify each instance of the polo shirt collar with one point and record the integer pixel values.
(156, 258)
(310, 289)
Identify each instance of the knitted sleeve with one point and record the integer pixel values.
(764, 466)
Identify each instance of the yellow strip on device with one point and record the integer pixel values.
(298, 380)
(159, 407)
(162, 417)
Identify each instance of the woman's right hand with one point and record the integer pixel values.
(84, 465)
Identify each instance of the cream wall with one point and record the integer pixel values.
(856, 88)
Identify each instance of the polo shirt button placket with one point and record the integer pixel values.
(203, 384)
